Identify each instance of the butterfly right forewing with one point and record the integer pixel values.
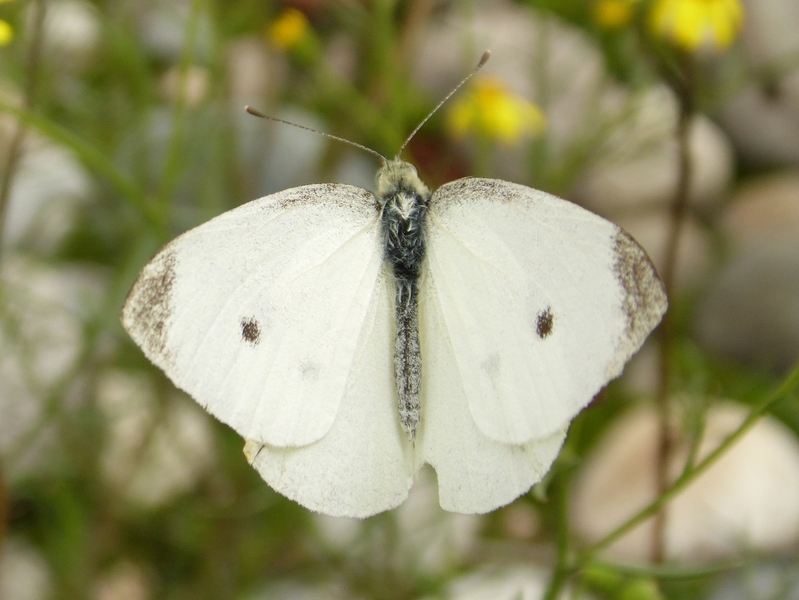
(542, 300)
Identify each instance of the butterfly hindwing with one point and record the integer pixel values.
(543, 302)
(257, 313)
(364, 464)
(476, 474)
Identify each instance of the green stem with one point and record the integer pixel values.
(562, 568)
(175, 158)
(787, 387)
(33, 69)
(91, 156)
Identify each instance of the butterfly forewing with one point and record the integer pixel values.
(542, 301)
(256, 313)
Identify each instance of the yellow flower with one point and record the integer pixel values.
(292, 33)
(613, 14)
(691, 24)
(6, 33)
(490, 110)
(289, 29)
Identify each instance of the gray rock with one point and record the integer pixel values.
(775, 579)
(763, 119)
(751, 312)
(763, 207)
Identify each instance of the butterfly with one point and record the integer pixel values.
(353, 337)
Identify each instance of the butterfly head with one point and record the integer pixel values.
(398, 175)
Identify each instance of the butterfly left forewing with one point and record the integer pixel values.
(256, 313)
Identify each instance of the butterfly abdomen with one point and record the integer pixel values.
(403, 199)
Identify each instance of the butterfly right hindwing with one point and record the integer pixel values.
(476, 474)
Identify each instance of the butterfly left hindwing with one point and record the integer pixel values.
(364, 464)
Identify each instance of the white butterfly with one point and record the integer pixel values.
(351, 338)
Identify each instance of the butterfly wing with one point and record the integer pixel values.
(257, 313)
(364, 464)
(542, 302)
(476, 474)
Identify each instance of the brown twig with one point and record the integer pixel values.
(679, 207)
(4, 508)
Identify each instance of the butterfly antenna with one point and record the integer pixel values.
(483, 60)
(257, 113)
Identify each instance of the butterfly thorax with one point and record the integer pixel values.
(403, 200)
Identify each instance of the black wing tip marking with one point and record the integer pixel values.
(149, 305)
(644, 299)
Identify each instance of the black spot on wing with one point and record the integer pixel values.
(250, 330)
(644, 299)
(544, 323)
(148, 307)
